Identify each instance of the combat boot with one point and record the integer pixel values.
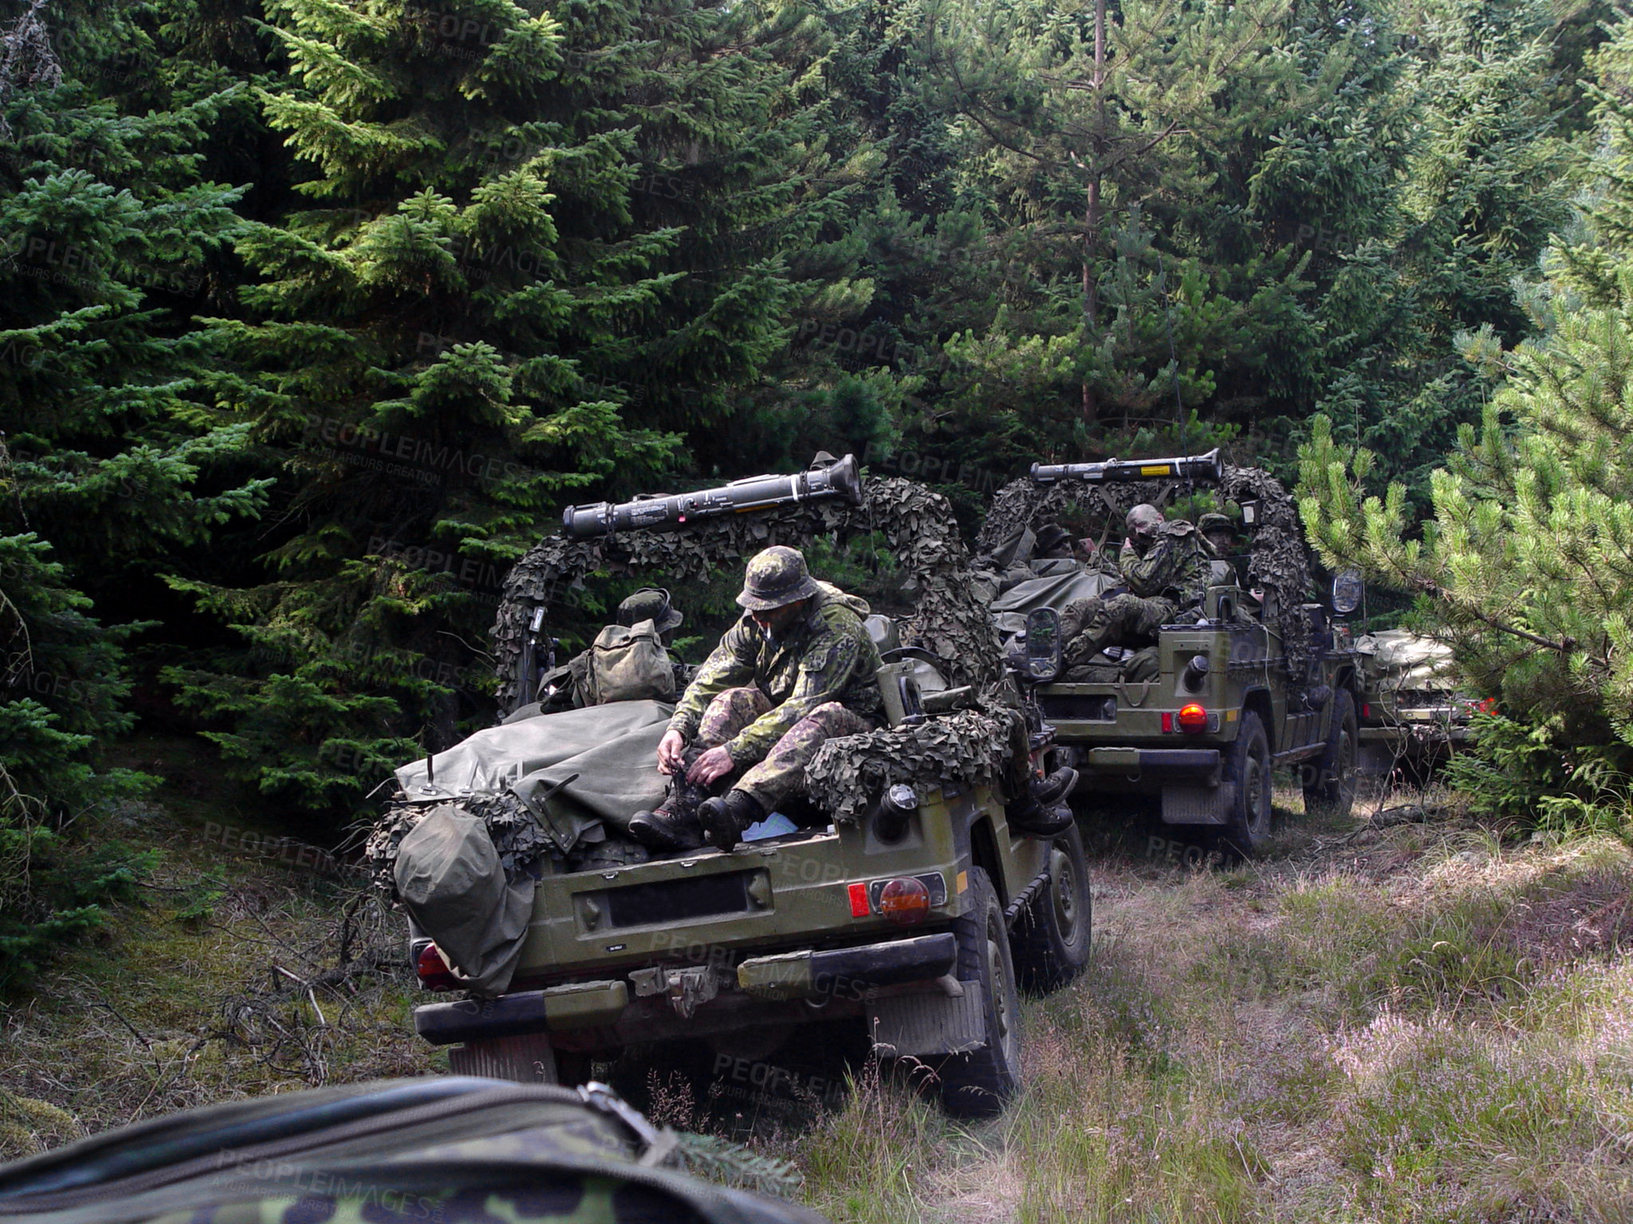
(673, 825)
(725, 817)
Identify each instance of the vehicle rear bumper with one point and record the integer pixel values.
(1188, 766)
(766, 989)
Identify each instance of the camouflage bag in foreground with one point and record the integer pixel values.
(432, 1151)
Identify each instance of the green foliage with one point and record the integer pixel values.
(510, 284)
(1527, 556)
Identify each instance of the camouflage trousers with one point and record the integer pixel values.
(782, 773)
(1088, 626)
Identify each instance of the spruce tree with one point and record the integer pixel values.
(110, 458)
(525, 253)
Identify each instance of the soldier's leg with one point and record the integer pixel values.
(1083, 628)
(782, 772)
(729, 713)
(1145, 616)
(1075, 613)
(673, 825)
(767, 783)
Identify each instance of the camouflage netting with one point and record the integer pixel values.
(918, 525)
(1277, 561)
(971, 748)
(521, 841)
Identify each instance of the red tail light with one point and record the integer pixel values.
(1193, 718)
(433, 971)
(905, 901)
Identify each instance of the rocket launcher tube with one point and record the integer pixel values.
(1117, 471)
(824, 479)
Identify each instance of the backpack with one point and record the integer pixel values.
(628, 664)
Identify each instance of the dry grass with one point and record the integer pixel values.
(230, 978)
(1399, 1024)
(1410, 1023)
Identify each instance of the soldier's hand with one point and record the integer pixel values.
(670, 749)
(713, 764)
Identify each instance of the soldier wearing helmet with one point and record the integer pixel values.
(1165, 567)
(571, 686)
(796, 669)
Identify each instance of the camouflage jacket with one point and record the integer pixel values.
(829, 657)
(1175, 566)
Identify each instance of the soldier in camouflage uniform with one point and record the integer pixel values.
(1166, 568)
(797, 669)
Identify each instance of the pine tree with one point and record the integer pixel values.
(534, 250)
(1526, 561)
(111, 459)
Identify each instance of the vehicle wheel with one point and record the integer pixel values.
(1248, 766)
(1050, 943)
(977, 1084)
(1333, 785)
(526, 1059)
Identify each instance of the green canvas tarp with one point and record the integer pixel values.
(424, 1151)
(579, 771)
(1052, 591)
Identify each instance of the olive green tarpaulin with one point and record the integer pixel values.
(1009, 609)
(579, 771)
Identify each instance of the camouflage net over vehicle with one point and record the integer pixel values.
(521, 840)
(970, 748)
(918, 526)
(1278, 561)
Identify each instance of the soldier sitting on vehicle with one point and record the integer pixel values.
(1166, 567)
(797, 668)
(620, 665)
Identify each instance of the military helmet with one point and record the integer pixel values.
(1214, 521)
(776, 577)
(650, 603)
(1052, 536)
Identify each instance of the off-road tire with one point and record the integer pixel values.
(1332, 785)
(1050, 943)
(979, 1083)
(1247, 766)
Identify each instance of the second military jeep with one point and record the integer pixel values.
(902, 896)
(1255, 680)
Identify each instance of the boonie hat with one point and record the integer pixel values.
(776, 577)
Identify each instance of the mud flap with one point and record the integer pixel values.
(524, 1059)
(1198, 805)
(920, 1025)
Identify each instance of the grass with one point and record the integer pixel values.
(1402, 1024)
(230, 976)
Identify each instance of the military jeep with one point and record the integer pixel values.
(900, 896)
(1413, 713)
(1255, 680)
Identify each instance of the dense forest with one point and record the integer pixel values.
(317, 312)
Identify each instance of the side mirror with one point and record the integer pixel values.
(1043, 645)
(1347, 590)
